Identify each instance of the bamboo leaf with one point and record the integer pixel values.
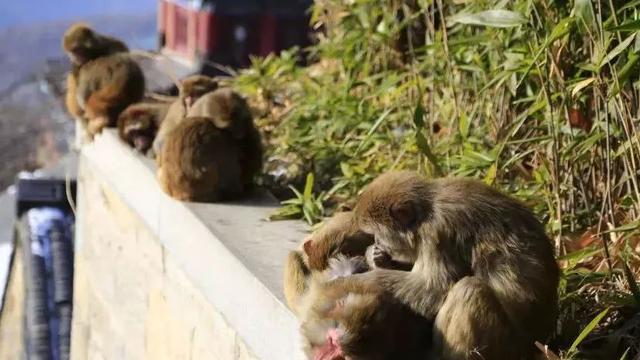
(464, 126)
(491, 18)
(632, 4)
(424, 147)
(491, 174)
(624, 45)
(587, 330)
(373, 129)
(633, 25)
(581, 85)
(576, 257)
(418, 116)
(583, 10)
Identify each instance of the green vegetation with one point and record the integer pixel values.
(539, 98)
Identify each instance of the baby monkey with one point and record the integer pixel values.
(104, 79)
(484, 267)
(364, 325)
(138, 124)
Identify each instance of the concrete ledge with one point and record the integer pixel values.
(227, 252)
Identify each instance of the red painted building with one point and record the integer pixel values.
(227, 32)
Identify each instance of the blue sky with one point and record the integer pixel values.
(25, 12)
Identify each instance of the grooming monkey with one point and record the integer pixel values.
(339, 235)
(229, 111)
(191, 88)
(200, 162)
(484, 267)
(104, 79)
(138, 124)
(369, 325)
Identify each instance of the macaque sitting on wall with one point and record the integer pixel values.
(200, 162)
(104, 79)
(191, 89)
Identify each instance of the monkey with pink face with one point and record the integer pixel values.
(360, 325)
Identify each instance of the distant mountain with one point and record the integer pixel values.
(19, 13)
(23, 48)
(34, 126)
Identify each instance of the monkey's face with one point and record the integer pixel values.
(138, 128)
(392, 209)
(80, 43)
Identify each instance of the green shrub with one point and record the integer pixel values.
(539, 98)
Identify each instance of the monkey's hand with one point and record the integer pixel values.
(378, 258)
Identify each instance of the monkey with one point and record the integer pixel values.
(138, 124)
(337, 236)
(200, 162)
(191, 88)
(104, 79)
(484, 268)
(369, 324)
(228, 110)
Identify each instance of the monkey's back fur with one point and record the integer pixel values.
(200, 162)
(108, 84)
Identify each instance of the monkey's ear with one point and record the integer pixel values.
(403, 213)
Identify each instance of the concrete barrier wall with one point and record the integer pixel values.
(160, 279)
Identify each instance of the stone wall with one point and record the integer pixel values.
(160, 279)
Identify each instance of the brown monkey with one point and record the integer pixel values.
(138, 124)
(484, 267)
(82, 44)
(228, 110)
(339, 235)
(191, 88)
(200, 162)
(368, 324)
(104, 79)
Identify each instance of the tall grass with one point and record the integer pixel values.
(539, 98)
